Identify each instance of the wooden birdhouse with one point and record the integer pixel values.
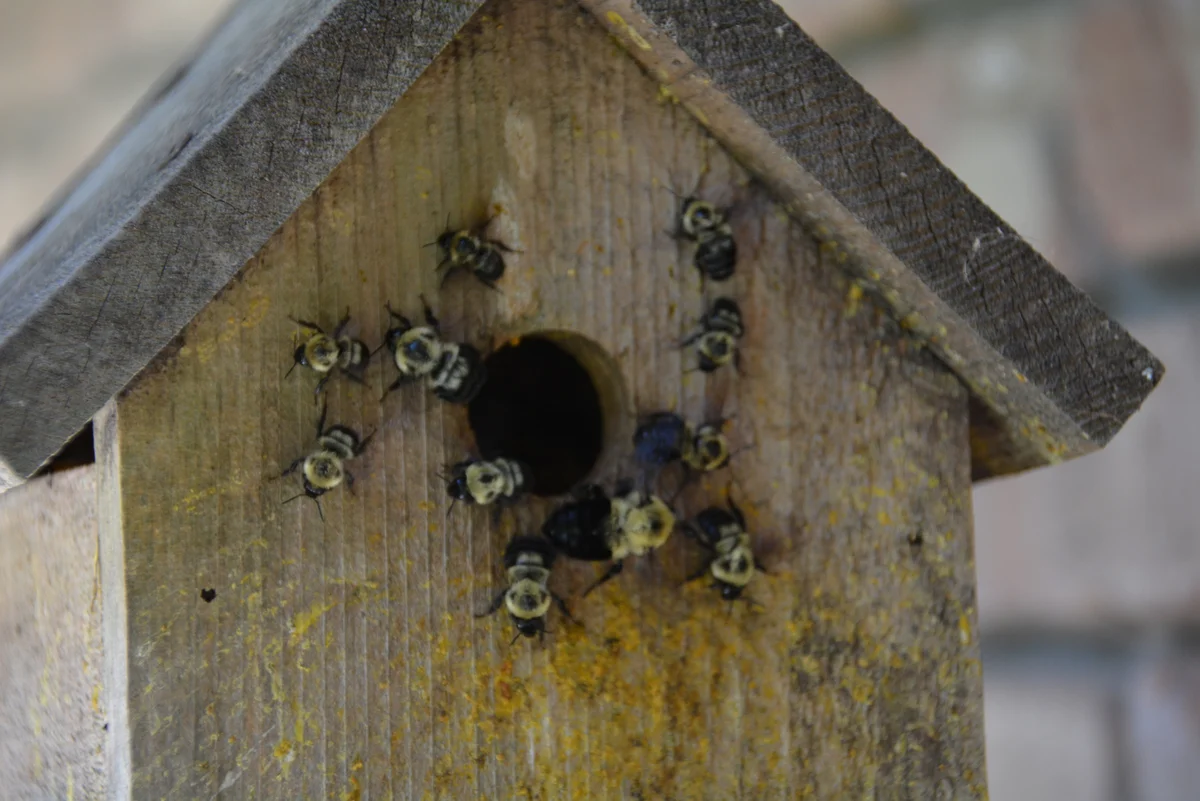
(620, 169)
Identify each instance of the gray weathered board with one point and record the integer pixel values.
(234, 142)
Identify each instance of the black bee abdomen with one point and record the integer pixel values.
(716, 257)
(577, 529)
(490, 266)
(472, 382)
(659, 439)
(526, 544)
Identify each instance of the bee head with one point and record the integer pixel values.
(457, 489)
(312, 491)
(730, 592)
(300, 357)
(699, 215)
(530, 627)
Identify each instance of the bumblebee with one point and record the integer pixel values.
(324, 467)
(455, 371)
(528, 595)
(484, 482)
(723, 532)
(665, 437)
(716, 341)
(323, 353)
(708, 226)
(595, 527)
(469, 250)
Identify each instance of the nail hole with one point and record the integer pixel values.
(208, 595)
(550, 400)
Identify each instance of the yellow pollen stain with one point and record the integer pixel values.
(635, 37)
(964, 629)
(305, 620)
(853, 296)
(884, 519)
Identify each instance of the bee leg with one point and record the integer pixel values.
(490, 285)
(737, 362)
(699, 574)
(496, 604)
(430, 320)
(355, 377)
(400, 318)
(321, 419)
(613, 571)
(292, 467)
(349, 482)
(306, 324)
(562, 607)
(321, 384)
(362, 446)
(691, 338)
(399, 382)
(341, 326)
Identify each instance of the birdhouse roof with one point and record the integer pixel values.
(229, 145)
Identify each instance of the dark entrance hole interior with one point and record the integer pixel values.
(539, 405)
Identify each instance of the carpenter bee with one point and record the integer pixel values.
(708, 226)
(716, 341)
(322, 353)
(324, 467)
(528, 595)
(723, 532)
(454, 370)
(470, 250)
(483, 482)
(665, 437)
(594, 527)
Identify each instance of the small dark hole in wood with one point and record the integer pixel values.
(539, 405)
(79, 451)
(208, 596)
(916, 539)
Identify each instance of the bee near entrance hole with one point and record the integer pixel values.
(552, 400)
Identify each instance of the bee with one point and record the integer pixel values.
(716, 341)
(455, 371)
(594, 527)
(323, 353)
(708, 226)
(528, 595)
(723, 532)
(469, 250)
(665, 437)
(324, 467)
(484, 482)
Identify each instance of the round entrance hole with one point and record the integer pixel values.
(543, 405)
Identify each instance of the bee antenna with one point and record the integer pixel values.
(289, 372)
(294, 497)
(451, 508)
(516, 637)
(320, 511)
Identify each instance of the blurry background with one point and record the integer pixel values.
(1079, 122)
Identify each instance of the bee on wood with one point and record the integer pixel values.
(483, 482)
(527, 598)
(469, 250)
(324, 467)
(708, 226)
(723, 533)
(455, 371)
(324, 353)
(594, 527)
(665, 437)
(716, 340)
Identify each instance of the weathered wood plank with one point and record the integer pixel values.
(344, 659)
(238, 138)
(1057, 377)
(205, 171)
(52, 715)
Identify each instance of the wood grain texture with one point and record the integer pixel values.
(193, 186)
(51, 709)
(233, 142)
(344, 660)
(1056, 376)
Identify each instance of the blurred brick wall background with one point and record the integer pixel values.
(1079, 121)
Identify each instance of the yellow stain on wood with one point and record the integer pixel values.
(305, 620)
(625, 28)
